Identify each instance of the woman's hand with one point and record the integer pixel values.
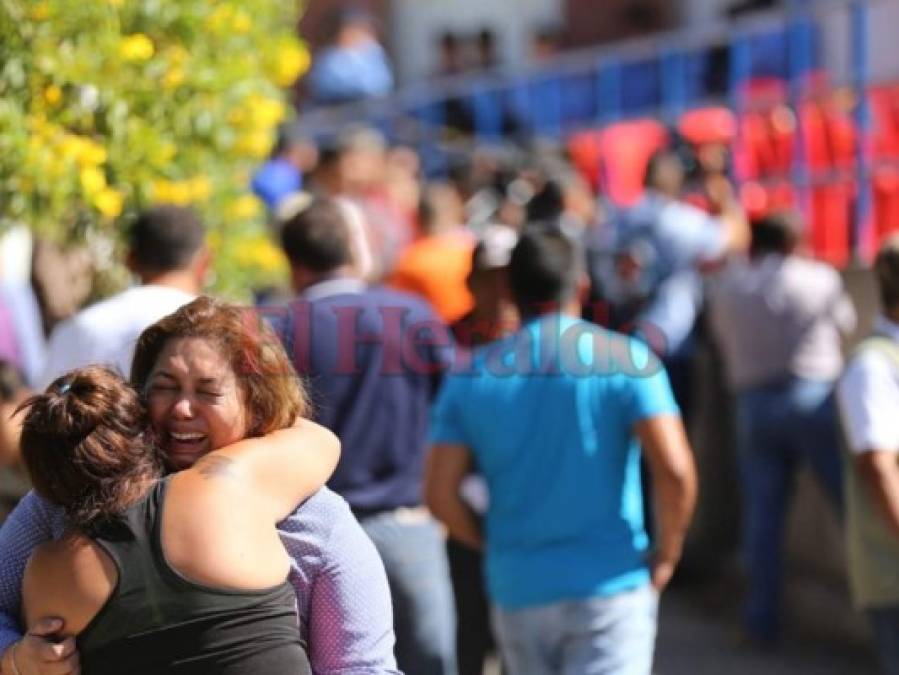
(38, 654)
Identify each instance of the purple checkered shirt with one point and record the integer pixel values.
(342, 593)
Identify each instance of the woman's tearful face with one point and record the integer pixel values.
(194, 402)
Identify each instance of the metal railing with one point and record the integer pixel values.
(660, 76)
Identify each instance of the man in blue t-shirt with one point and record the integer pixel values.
(553, 416)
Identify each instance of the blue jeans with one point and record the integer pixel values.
(413, 550)
(777, 427)
(613, 635)
(885, 623)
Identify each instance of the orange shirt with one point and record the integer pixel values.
(436, 267)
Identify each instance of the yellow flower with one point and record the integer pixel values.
(52, 94)
(40, 11)
(261, 253)
(243, 208)
(200, 188)
(137, 47)
(291, 60)
(91, 154)
(266, 112)
(220, 17)
(92, 180)
(241, 22)
(116, 3)
(173, 78)
(109, 202)
(172, 192)
(255, 144)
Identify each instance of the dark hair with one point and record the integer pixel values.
(317, 237)
(273, 395)
(886, 269)
(777, 232)
(544, 269)
(86, 444)
(166, 238)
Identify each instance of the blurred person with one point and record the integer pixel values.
(156, 574)
(355, 167)
(353, 66)
(282, 175)
(194, 366)
(661, 248)
(450, 55)
(493, 316)
(168, 254)
(23, 343)
(13, 391)
(545, 43)
(552, 416)
(486, 56)
(780, 320)
(437, 265)
(868, 396)
(373, 361)
(13, 482)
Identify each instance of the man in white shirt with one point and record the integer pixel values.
(779, 319)
(168, 254)
(868, 396)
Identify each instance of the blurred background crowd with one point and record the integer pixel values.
(726, 173)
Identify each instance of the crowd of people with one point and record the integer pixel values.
(506, 360)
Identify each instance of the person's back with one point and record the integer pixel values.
(803, 313)
(371, 358)
(372, 385)
(168, 254)
(129, 602)
(551, 417)
(563, 470)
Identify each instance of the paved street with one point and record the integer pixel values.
(696, 637)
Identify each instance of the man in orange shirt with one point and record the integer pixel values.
(437, 265)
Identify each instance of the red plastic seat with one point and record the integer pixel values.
(625, 149)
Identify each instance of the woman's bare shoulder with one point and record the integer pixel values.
(71, 578)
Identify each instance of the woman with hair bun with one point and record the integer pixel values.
(159, 574)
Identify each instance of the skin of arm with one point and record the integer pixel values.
(281, 469)
(674, 482)
(10, 431)
(446, 468)
(880, 471)
(31, 523)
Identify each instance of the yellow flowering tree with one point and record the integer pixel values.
(109, 105)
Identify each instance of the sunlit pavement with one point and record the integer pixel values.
(698, 634)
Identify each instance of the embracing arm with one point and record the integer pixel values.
(282, 469)
(31, 523)
(341, 588)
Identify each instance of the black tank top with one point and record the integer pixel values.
(156, 621)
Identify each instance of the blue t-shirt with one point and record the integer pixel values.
(548, 415)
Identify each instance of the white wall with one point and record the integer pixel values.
(417, 24)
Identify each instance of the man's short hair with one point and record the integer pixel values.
(165, 238)
(544, 269)
(886, 269)
(317, 237)
(778, 232)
